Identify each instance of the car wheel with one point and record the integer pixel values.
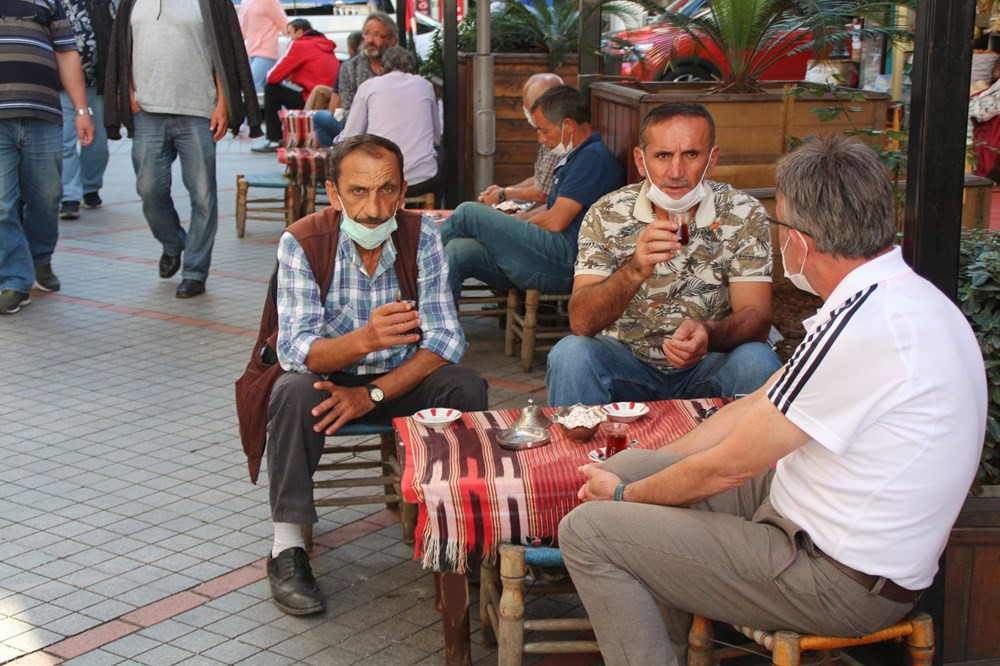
(688, 72)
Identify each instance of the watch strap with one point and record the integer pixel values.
(620, 491)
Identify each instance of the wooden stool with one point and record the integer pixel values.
(528, 327)
(501, 606)
(476, 296)
(386, 482)
(421, 201)
(273, 209)
(786, 647)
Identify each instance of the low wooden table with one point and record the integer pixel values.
(474, 495)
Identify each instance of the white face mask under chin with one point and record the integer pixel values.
(798, 279)
(663, 200)
(561, 150)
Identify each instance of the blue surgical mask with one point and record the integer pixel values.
(365, 236)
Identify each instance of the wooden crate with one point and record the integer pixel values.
(752, 130)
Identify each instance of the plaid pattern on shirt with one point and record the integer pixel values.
(302, 319)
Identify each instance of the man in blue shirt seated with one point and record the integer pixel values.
(361, 354)
(537, 250)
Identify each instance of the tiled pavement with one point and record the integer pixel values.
(129, 532)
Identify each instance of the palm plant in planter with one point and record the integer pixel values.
(747, 37)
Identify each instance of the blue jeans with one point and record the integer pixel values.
(158, 139)
(503, 251)
(30, 161)
(327, 127)
(83, 170)
(259, 67)
(599, 370)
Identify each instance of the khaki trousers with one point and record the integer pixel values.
(642, 570)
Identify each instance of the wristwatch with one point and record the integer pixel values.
(85, 112)
(375, 393)
(503, 195)
(620, 492)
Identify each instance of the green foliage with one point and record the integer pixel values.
(753, 36)
(979, 298)
(519, 27)
(889, 145)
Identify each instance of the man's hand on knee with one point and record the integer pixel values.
(600, 484)
(344, 405)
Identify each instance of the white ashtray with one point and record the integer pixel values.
(437, 417)
(626, 412)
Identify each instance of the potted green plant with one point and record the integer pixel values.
(972, 568)
(525, 40)
(754, 117)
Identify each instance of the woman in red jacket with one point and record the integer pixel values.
(309, 62)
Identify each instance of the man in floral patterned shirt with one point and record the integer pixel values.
(655, 318)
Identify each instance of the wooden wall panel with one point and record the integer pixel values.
(751, 130)
(516, 142)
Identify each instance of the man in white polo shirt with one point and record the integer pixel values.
(876, 422)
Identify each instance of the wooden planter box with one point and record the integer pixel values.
(752, 130)
(516, 142)
(971, 631)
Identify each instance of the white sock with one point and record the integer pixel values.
(287, 535)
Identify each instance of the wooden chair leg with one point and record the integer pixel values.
(489, 586)
(921, 641)
(700, 642)
(292, 202)
(786, 649)
(530, 329)
(309, 202)
(242, 186)
(511, 612)
(387, 443)
(307, 535)
(408, 519)
(513, 305)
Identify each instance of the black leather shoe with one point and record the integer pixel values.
(293, 588)
(169, 265)
(189, 288)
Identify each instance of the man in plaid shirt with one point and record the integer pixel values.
(361, 354)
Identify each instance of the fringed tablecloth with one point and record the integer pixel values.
(474, 495)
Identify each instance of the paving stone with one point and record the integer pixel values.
(96, 658)
(163, 655)
(230, 651)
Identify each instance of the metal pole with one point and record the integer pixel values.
(484, 140)
(401, 20)
(942, 60)
(449, 48)
(941, 70)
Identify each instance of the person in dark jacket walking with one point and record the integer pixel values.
(83, 167)
(177, 77)
(309, 62)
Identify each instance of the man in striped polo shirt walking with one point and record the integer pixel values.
(876, 422)
(37, 54)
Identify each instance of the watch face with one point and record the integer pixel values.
(376, 394)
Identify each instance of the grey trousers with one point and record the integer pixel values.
(294, 448)
(642, 570)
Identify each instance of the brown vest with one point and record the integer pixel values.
(318, 235)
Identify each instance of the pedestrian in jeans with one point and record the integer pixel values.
(83, 169)
(37, 55)
(178, 75)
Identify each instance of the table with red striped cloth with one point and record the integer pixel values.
(474, 495)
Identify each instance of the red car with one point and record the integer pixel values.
(653, 46)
